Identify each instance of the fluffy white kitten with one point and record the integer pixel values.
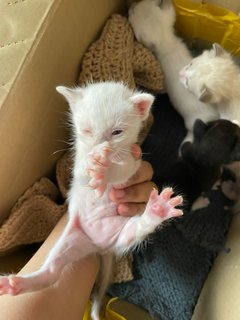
(107, 118)
(153, 24)
(214, 77)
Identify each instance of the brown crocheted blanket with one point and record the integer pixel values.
(114, 56)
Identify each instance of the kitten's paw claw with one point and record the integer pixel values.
(166, 194)
(177, 213)
(176, 201)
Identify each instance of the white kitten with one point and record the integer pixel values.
(213, 77)
(106, 118)
(153, 25)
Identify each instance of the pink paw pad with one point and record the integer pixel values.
(163, 205)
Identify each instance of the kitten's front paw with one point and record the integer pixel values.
(98, 163)
(163, 205)
(151, 19)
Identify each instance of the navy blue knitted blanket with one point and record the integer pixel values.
(170, 272)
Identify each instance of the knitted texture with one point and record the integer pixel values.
(33, 217)
(114, 56)
(123, 269)
(169, 274)
(117, 56)
(110, 57)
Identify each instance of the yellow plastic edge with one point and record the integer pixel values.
(208, 22)
(109, 313)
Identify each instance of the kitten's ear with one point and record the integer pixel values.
(205, 94)
(199, 129)
(218, 50)
(71, 95)
(142, 103)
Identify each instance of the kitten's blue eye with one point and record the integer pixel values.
(117, 132)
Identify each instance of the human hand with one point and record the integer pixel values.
(132, 197)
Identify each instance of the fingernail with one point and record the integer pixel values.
(119, 193)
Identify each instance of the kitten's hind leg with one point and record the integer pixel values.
(71, 246)
(160, 207)
(103, 281)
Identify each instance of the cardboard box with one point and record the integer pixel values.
(39, 51)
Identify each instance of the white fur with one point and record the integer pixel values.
(104, 114)
(215, 78)
(153, 25)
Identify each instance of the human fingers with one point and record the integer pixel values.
(130, 209)
(144, 173)
(135, 193)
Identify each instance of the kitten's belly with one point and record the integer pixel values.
(100, 221)
(104, 231)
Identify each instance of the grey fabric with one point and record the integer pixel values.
(170, 272)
